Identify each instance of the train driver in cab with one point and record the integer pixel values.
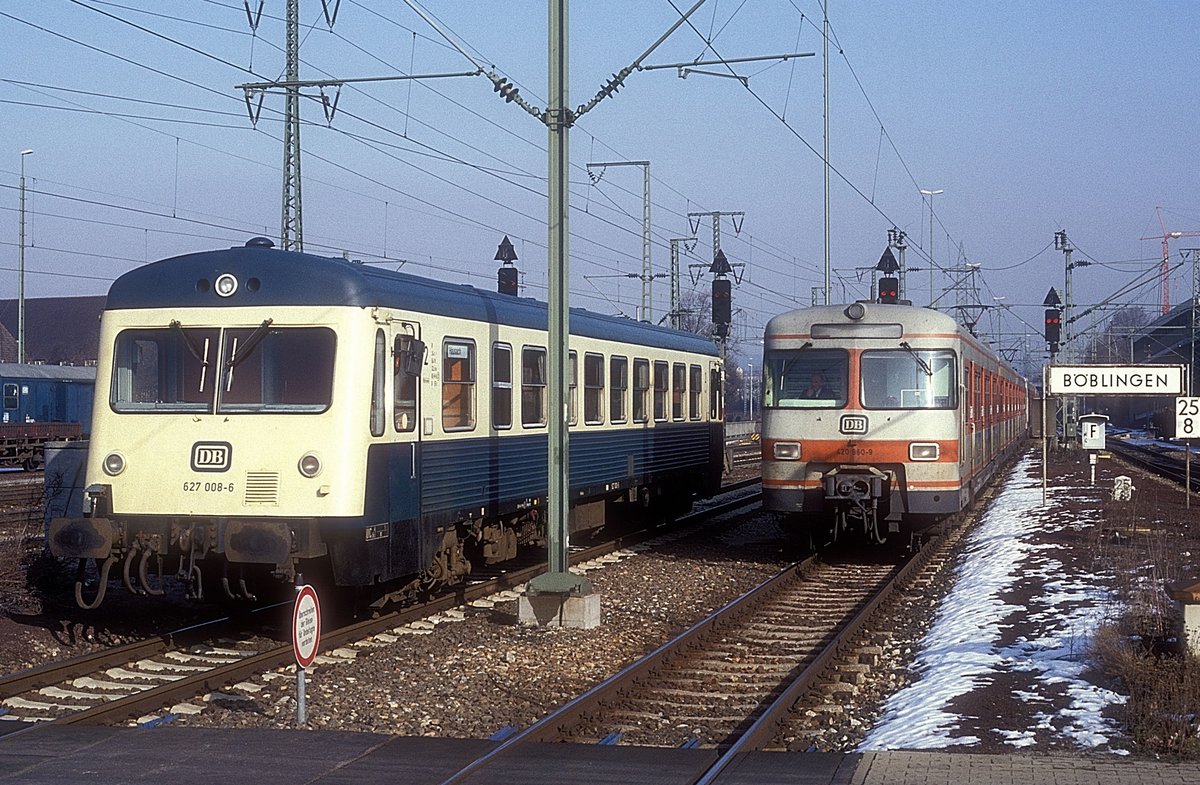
(817, 388)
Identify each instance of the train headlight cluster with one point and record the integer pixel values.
(786, 451)
(114, 464)
(310, 465)
(923, 451)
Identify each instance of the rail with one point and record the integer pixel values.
(153, 699)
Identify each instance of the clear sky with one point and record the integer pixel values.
(1032, 117)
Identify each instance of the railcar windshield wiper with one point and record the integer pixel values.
(920, 360)
(241, 352)
(201, 355)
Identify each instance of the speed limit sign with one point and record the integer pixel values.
(1187, 418)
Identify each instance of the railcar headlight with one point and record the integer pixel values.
(114, 464)
(226, 285)
(923, 451)
(310, 465)
(786, 451)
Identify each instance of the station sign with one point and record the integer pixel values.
(1116, 379)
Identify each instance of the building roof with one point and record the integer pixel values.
(57, 329)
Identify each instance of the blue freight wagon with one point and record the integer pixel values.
(42, 403)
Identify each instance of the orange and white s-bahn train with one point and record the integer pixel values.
(881, 418)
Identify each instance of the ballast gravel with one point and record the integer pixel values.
(474, 673)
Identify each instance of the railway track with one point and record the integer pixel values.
(735, 680)
(1167, 463)
(133, 682)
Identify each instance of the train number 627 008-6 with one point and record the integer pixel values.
(194, 486)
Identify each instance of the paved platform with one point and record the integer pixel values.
(201, 756)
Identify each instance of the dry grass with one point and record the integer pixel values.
(1147, 544)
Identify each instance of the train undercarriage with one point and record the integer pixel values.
(248, 561)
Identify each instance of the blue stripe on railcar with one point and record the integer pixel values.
(493, 474)
(417, 488)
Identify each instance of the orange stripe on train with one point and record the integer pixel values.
(863, 450)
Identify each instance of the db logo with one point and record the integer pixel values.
(211, 456)
(854, 423)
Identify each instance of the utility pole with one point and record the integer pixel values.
(21, 268)
(1070, 351)
(291, 225)
(647, 309)
(825, 155)
(1193, 254)
(931, 194)
(716, 224)
(558, 582)
(676, 301)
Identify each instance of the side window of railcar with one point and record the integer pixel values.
(407, 356)
(678, 389)
(696, 382)
(641, 387)
(11, 399)
(572, 388)
(533, 386)
(618, 384)
(165, 370)
(805, 378)
(909, 379)
(378, 383)
(715, 404)
(458, 385)
(661, 382)
(593, 389)
(501, 386)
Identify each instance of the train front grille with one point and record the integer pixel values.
(262, 488)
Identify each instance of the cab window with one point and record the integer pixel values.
(805, 378)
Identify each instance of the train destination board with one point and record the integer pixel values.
(1116, 380)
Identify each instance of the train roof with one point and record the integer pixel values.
(914, 319)
(65, 373)
(270, 277)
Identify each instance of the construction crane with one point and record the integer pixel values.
(1166, 237)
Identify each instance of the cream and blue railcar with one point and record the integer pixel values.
(263, 412)
(881, 417)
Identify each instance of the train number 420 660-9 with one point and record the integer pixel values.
(195, 486)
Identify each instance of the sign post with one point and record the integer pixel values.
(306, 637)
(1187, 427)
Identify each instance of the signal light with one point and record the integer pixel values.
(889, 290)
(1053, 327)
(722, 302)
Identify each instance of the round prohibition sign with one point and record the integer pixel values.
(306, 626)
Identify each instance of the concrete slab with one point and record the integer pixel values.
(560, 610)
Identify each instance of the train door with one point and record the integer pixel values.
(408, 358)
(412, 547)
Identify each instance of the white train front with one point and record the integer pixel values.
(881, 418)
(261, 412)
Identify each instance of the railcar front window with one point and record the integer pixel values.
(805, 378)
(909, 379)
(277, 369)
(170, 369)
